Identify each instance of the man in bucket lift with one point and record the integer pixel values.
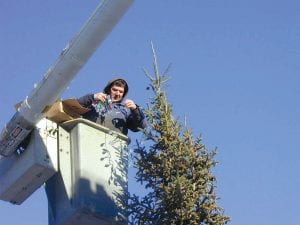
(107, 109)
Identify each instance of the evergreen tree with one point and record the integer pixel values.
(175, 168)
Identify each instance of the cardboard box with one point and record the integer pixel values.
(65, 110)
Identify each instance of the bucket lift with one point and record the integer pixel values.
(91, 185)
(84, 165)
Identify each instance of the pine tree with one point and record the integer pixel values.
(175, 168)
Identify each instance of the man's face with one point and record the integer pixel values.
(116, 93)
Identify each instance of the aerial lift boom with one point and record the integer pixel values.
(57, 78)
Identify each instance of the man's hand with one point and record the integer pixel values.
(130, 104)
(100, 97)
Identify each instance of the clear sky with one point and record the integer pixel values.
(235, 76)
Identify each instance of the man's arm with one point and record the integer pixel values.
(87, 100)
(136, 119)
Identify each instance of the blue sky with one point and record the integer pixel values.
(235, 77)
